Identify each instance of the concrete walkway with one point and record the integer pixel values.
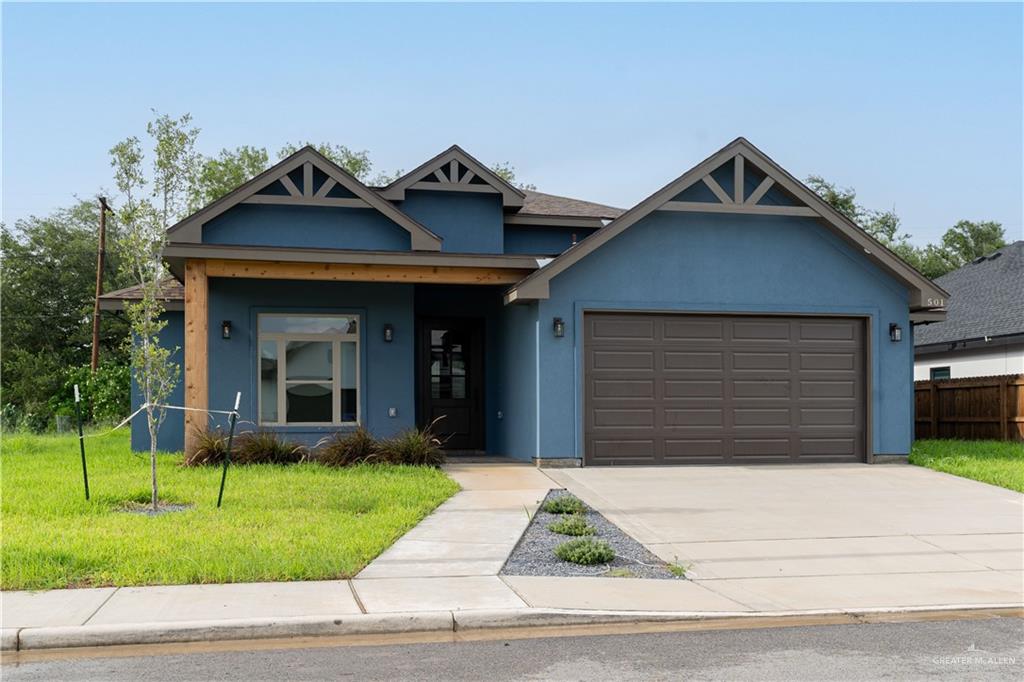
(761, 541)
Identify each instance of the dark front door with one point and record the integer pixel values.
(451, 381)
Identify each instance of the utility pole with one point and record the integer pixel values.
(101, 253)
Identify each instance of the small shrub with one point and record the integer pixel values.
(346, 449)
(265, 447)
(677, 569)
(573, 524)
(585, 551)
(564, 504)
(210, 448)
(418, 447)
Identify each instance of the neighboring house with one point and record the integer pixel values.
(730, 317)
(983, 334)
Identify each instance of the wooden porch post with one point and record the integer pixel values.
(196, 341)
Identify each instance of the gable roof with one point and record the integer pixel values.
(454, 170)
(985, 299)
(189, 230)
(800, 201)
(551, 204)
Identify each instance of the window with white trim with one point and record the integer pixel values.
(309, 369)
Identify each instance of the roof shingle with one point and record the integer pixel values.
(552, 204)
(986, 299)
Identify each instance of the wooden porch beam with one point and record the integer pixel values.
(196, 341)
(361, 272)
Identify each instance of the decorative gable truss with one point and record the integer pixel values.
(738, 186)
(453, 170)
(306, 178)
(740, 178)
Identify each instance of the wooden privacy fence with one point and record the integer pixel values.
(979, 408)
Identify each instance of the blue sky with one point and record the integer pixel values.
(917, 106)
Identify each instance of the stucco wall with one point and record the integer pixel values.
(386, 369)
(306, 226)
(727, 263)
(515, 434)
(973, 362)
(539, 240)
(171, 437)
(468, 222)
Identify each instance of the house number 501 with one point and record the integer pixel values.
(937, 302)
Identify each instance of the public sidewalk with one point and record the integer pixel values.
(443, 576)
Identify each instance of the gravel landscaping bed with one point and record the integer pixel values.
(534, 554)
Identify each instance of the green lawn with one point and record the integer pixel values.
(997, 462)
(298, 522)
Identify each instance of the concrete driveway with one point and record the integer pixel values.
(822, 536)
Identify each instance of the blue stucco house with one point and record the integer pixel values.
(731, 317)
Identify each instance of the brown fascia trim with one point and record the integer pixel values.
(543, 220)
(536, 285)
(175, 254)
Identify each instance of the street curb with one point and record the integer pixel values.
(219, 630)
(66, 637)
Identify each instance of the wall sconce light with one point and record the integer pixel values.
(895, 333)
(389, 333)
(559, 327)
(225, 329)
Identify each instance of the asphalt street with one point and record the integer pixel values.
(991, 649)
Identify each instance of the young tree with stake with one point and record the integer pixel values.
(145, 217)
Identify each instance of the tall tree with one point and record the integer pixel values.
(507, 172)
(968, 240)
(220, 174)
(145, 217)
(46, 295)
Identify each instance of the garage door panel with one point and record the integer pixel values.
(699, 417)
(676, 389)
(761, 332)
(713, 388)
(840, 331)
(623, 388)
(761, 417)
(628, 418)
(693, 360)
(761, 388)
(623, 329)
(744, 360)
(828, 389)
(692, 329)
(827, 417)
(694, 451)
(623, 448)
(774, 448)
(828, 361)
(829, 447)
(621, 359)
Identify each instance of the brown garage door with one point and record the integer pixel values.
(717, 389)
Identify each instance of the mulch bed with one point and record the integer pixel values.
(534, 554)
